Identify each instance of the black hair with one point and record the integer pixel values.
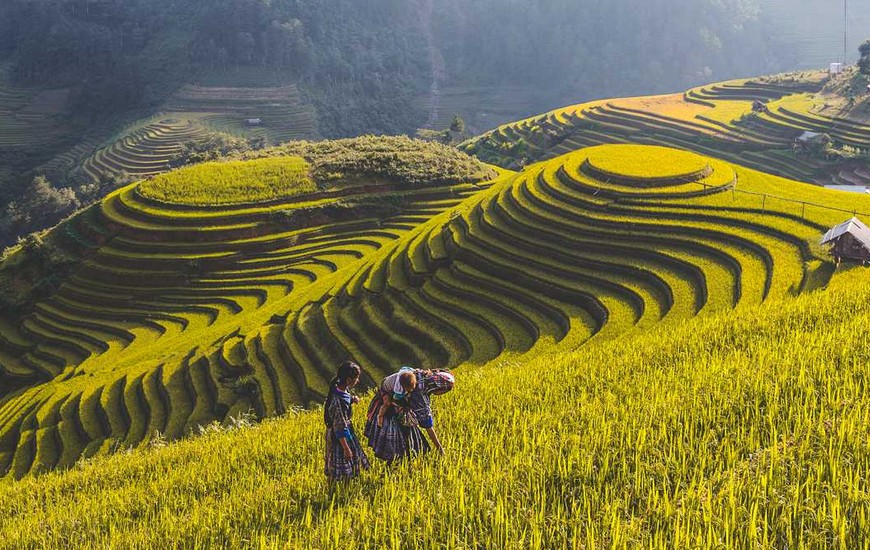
(346, 371)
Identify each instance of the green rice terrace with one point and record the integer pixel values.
(145, 151)
(34, 126)
(169, 307)
(754, 123)
(281, 112)
(218, 183)
(37, 132)
(275, 114)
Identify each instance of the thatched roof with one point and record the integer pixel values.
(853, 227)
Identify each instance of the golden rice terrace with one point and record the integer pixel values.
(170, 314)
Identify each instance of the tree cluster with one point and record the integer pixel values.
(41, 204)
(864, 60)
(377, 159)
(214, 146)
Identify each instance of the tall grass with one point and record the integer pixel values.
(745, 429)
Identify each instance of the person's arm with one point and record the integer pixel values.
(434, 437)
(345, 447)
(427, 422)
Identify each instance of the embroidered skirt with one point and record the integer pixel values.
(337, 466)
(392, 440)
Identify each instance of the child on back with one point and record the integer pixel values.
(396, 388)
(401, 410)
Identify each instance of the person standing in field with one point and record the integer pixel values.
(400, 411)
(345, 457)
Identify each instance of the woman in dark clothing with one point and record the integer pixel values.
(400, 408)
(344, 456)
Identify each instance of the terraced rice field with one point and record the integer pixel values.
(483, 108)
(728, 431)
(271, 179)
(282, 112)
(190, 114)
(33, 126)
(151, 332)
(182, 315)
(714, 120)
(59, 167)
(145, 151)
(30, 117)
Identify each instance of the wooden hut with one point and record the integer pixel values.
(849, 241)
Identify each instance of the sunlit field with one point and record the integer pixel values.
(233, 182)
(653, 345)
(734, 430)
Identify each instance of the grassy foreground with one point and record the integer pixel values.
(746, 429)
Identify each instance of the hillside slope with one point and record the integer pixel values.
(126, 303)
(176, 315)
(753, 122)
(732, 430)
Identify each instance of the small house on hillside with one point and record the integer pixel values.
(836, 68)
(255, 122)
(849, 241)
(813, 144)
(808, 137)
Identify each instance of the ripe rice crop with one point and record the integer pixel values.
(736, 430)
(231, 182)
(431, 274)
(645, 162)
(715, 120)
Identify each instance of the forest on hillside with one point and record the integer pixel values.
(356, 55)
(363, 61)
(590, 48)
(362, 66)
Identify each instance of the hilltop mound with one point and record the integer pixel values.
(394, 159)
(175, 316)
(647, 165)
(231, 183)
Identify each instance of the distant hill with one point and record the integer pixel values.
(107, 69)
(754, 122)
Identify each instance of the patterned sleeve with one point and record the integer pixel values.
(422, 409)
(340, 421)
